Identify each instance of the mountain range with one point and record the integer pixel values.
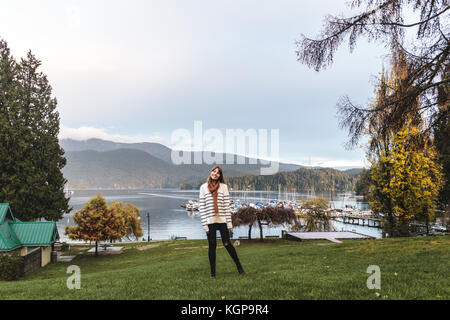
(97, 163)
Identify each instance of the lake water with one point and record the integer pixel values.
(168, 219)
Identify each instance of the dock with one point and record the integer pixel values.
(330, 236)
(359, 220)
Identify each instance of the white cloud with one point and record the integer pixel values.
(342, 164)
(84, 133)
(330, 163)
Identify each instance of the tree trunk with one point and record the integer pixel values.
(96, 248)
(390, 225)
(250, 231)
(260, 230)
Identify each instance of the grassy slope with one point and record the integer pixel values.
(278, 270)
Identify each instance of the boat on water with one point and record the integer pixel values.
(295, 204)
(191, 205)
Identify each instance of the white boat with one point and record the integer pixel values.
(191, 205)
(68, 192)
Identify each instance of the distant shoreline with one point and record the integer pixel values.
(187, 190)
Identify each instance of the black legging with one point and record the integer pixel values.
(225, 235)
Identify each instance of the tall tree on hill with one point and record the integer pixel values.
(9, 107)
(30, 157)
(383, 21)
(405, 177)
(442, 143)
(427, 59)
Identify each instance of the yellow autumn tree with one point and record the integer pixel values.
(405, 176)
(405, 181)
(97, 222)
(131, 215)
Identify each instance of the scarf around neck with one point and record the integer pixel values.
(213, 187)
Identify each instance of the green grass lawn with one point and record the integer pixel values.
(411, 268)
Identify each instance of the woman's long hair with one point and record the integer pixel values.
(220, 179)
(213, 187)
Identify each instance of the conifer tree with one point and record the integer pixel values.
(31, 159)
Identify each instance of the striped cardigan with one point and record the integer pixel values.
(207, 213)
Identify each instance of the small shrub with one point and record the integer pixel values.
(10, 266)
(65, 246)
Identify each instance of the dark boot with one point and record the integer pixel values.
(240, 269)
(213, 271)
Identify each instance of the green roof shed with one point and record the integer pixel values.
(15, 233)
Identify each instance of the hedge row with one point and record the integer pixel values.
(10, 266)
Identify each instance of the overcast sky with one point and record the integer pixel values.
(138, 70)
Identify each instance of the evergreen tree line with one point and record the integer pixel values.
(319, 179)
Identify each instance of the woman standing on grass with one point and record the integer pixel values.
(215, 214)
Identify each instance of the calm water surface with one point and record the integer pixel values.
(168, 219)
